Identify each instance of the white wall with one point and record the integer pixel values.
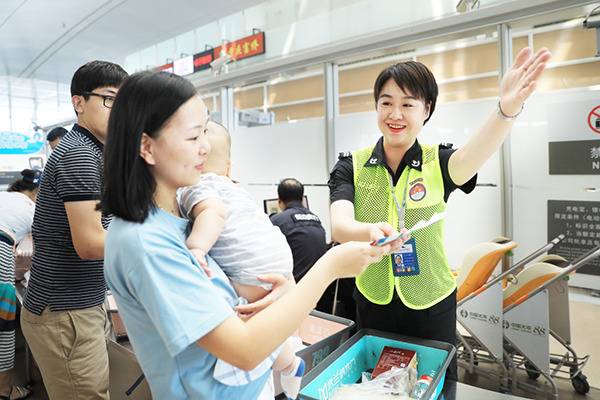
(262, 156)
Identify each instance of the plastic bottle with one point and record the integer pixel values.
(422, 385)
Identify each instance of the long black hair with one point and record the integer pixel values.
(29, 182)
(145, 102)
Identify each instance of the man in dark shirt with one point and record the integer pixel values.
(55, 135)
(302, 228)
(63, 318)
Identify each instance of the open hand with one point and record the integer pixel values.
(520, 81)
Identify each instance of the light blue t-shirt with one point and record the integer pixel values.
(167, 303)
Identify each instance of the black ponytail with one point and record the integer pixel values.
(30, 181)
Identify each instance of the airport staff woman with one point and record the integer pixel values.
(398, 181)
(17, 206)
(178, 320)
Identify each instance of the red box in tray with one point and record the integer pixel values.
(394, 357)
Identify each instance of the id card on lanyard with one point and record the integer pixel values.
(405, 261)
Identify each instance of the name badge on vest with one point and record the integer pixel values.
(405, 262)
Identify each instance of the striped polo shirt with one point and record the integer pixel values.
(60, 279)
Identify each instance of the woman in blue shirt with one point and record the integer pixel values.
(178, 320)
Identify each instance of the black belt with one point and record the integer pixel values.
(6, 239)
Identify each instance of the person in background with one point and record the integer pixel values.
(305, 235)
(63, 319)
(398, 181)
(178, 319)
(17, 206)
(302, 229)
(55, 135)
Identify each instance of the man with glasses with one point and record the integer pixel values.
(63, 319)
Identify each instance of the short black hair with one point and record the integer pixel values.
(290, 189)
(56, 133)
(145, 102)
(96, 74)
(413, 77)
(30, 181)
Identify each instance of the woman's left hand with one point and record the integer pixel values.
(520, 81)
(280, 285)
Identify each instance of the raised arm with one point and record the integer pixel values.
(516, 86)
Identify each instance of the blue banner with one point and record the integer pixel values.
(19, 143)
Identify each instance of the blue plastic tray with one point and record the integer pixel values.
(361, 352)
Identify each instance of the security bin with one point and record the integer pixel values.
(321, 333)
(361, 352)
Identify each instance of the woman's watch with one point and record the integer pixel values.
(505, 117)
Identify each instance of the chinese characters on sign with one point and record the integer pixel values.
(249, 46)
(243, 48)
(580, 222)
(580, 157)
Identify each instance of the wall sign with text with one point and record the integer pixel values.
(202, 60)
(579, 221)
(249, 46)
(246, 47)
(580, 157)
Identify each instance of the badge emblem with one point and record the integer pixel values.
(417, 192)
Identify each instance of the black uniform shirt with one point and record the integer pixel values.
(341, 179)
(304, 234)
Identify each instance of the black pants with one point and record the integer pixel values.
(436, 323)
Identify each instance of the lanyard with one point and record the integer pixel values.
(401, 209)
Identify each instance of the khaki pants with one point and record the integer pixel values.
(70, 349)
(6, 383)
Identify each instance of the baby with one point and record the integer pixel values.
(228, 225)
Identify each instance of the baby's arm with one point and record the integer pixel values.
(209, 218)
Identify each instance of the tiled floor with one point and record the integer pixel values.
(566, 391)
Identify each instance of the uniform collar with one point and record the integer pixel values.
(81, 130)
(294, 204)
(412, 158)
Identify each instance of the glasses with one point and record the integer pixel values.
(106, 100)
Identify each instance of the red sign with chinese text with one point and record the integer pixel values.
(166, 67)
(249, 46)
(202, 60)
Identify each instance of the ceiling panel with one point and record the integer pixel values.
(49, 40)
